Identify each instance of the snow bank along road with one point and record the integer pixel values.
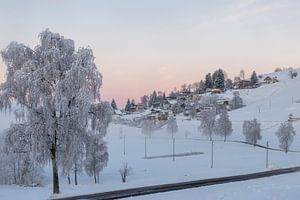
(118, 194)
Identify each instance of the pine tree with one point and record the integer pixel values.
(208, 81)
(228, 84)
(114, 104)
(128, 106)
(242, 74)
(218, 79)
(153, 98)
(254, 78)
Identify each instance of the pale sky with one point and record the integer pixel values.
(144, 45)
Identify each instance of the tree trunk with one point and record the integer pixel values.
(225, 138)
(75, 174)
(54, 167)
(69, 179)
(55, 172)
(95, 177)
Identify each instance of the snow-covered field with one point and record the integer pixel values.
(270, 104)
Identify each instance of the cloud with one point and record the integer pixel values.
(249, 9)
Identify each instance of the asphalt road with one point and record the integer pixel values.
(118, 194)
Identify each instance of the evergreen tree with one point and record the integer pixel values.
(153, 98)
(228, 84)
(114, 104)
(132, 102)
(218, 79)
(242, 74)
(208, 81)
(254, 78)
(128, 106)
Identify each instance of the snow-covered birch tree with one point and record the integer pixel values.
(285, 134)
(147, 127)
(172, 126)
(251, 130)
(58, 87)
(96, 157)
(223, 125)
(207, 125)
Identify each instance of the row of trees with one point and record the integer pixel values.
(251, 129)
(285, 133)
(210, 125)
(61, 119)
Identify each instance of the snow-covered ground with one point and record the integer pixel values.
(270, 104)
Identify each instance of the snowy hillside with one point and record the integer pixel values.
(270, 104)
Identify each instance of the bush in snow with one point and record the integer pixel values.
(285, 134)
(292, 73)
(124, 172)
(251, 130)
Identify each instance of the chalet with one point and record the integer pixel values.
(268, 80)
(133, 108)
(158, 115)
(156, 104)
(222, 102)
(168, 104)
(206, 108)
(216, 91)
(140, 107)
(244, 84)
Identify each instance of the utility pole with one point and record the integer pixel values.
(145, 146)
(124, 145)
(212, 155)
(173, 149)
(267, 155)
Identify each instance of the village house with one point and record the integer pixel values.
(268, 80)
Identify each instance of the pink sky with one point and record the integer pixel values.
(141, 46)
